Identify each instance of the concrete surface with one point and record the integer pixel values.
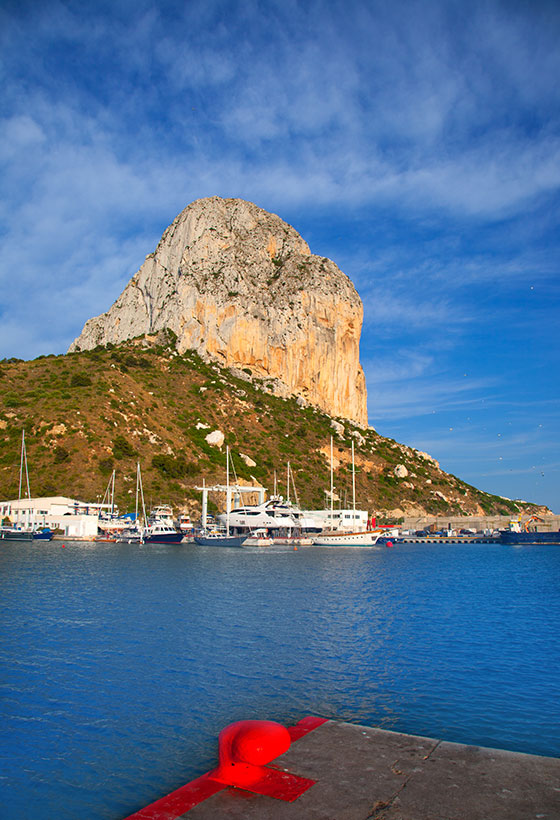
(364, 773)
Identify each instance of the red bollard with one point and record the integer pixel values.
(244, 749)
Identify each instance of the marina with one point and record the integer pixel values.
(281, 522)
(269, 522)
(123, 662)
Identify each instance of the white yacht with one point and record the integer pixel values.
(277, 517)
(159, 531)
(185, 524)
(162, 513)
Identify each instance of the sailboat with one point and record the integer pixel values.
(134, 534)
(110, 524)
(216, 537)
(157, 531)
(340, 538)
(18, 533)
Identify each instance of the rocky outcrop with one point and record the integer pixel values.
(240, 286)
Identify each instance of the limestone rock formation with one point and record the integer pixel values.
(240, 286)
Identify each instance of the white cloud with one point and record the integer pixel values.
(391, 398)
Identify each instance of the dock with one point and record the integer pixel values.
(353, 772)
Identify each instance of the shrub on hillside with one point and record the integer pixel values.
(80, 380)
(105, 466)
(122, 448)
(171, 467)
(60, 455)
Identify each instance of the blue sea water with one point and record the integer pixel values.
(120, 664)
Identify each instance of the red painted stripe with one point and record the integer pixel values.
(278, 784)
(179, 801)
(186, 797)
(304, 726)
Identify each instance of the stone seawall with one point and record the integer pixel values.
(478, 522)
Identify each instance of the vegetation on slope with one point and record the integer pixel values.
(87, 413)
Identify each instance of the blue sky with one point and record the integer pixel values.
(417, 144)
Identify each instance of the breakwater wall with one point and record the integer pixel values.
(477, 522)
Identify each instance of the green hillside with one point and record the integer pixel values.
(87, 413)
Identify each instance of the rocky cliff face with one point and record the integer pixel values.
(239, 285)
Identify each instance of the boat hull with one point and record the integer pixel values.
(130, 537)
(293, 541)
(43, 535)
(220, 540)
(346, 539)
(164, 538)
(257, 542)
(15, 535)
(508, 537)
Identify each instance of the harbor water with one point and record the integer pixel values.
(120, 664)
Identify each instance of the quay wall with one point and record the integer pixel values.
(478, 522)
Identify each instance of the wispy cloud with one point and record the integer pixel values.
(408, 388)
(413, 122)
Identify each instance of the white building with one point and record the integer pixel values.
(76, 519)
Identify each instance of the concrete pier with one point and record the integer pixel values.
(363, 773)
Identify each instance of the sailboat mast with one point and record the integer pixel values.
(332, 485)
(288, 483)
(204, 513)
(137, 491)
(144, 517)
(21, 463)
(27, 475)
(353, 487)
(227, 489)
(294, 488)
